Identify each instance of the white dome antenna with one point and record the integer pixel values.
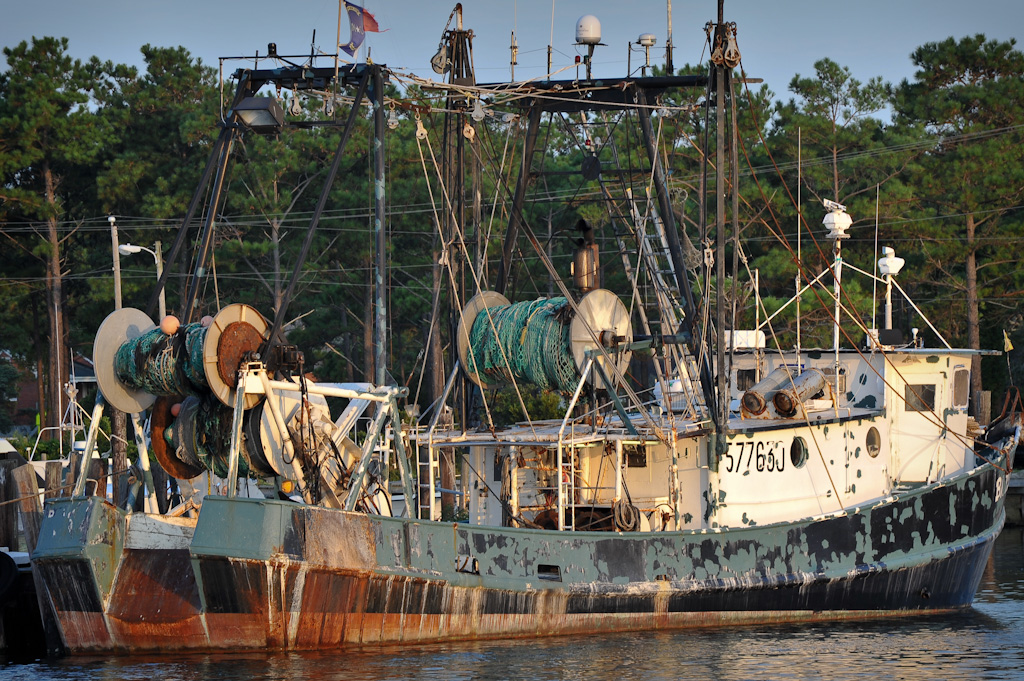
(645, 42)
(588, 32)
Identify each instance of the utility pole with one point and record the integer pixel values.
(117, 261)
(118, 419)
(159, 257)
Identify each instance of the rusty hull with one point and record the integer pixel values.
(266, 574)
(275, 575)
(111, 597)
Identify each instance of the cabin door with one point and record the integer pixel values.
(918, 437)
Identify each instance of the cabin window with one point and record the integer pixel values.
(920, 397)
(961, 387)
(745, 379)
(551, 573)
(635, 455)
(874, 442)
(798, 452)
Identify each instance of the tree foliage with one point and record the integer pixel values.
(966, 95)
(79, 141)
(51, 141)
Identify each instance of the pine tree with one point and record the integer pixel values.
(967, 94)
(49, 134)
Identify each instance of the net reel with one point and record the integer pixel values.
(138, 365)
(544, 342)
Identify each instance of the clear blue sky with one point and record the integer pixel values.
(776, 39)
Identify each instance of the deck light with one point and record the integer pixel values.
(889, 263)
(261, 114)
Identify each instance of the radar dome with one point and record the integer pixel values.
(588, 30)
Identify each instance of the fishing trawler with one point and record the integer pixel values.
(731, 483)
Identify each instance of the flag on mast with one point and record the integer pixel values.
(359, 22)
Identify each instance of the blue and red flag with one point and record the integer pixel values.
(359, 22)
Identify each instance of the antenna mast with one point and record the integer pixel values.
(668, 43)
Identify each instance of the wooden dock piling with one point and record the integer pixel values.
(8, 511)
(26, 483)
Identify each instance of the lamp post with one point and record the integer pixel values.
(131, 249)
(118, 421)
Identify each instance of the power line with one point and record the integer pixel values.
(130, 222)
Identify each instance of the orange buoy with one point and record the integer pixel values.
(170, 324)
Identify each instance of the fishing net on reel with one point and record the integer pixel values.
(162, 364)
(534, 337)
(200, 436)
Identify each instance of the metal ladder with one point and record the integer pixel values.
(425, 462)
(655, 255)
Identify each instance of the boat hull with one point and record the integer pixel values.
(336, 609)
(118, 581)
(399, 580)
(264, 574)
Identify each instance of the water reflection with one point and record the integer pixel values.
(984, 642)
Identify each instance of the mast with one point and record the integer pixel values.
(457, 63)
(380, 269)
(734, 179)
(458, 131)
(721, 83)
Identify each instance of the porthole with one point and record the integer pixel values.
(798, 452)
(874, 442)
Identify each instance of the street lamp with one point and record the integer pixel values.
(131, 249)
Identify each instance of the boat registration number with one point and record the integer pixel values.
(762, 456)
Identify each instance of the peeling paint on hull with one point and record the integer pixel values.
(276, 575)
(399, 609)
(108, 596)
(154, 600)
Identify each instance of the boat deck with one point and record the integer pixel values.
(612, 429)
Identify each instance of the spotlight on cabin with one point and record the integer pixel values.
(261, 114)
(889, 263)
